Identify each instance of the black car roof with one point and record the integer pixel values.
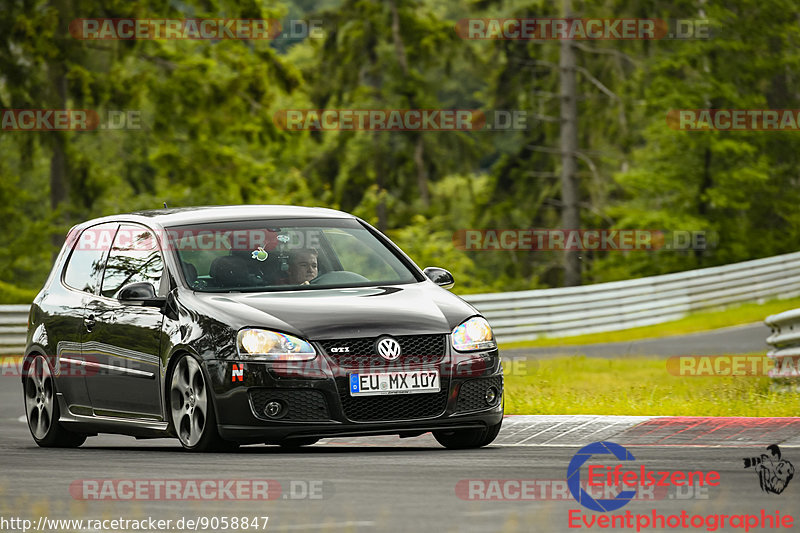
(178, 216)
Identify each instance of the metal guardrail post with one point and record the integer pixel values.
(785, 344)
(13, 327)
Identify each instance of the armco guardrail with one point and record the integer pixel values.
(528, 315)
(13, 325)
(785, 343)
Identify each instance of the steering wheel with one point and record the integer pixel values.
(338, 276)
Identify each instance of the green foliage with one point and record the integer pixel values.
(209, 134)
(9, 294)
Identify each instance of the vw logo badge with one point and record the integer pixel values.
(388, 348)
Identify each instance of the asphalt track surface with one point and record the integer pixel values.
(392, 484)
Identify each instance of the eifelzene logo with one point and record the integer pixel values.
(774, 472)
(615, 476)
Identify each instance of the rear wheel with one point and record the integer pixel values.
(41, 407)
(192, 409)
(460, 439)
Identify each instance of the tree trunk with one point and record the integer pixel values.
(383, 222)
(397, 39)
(59, 178)
(419, 147)
(703, 207)
(422, 172)
(570, 216)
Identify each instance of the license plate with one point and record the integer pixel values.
(394, 383)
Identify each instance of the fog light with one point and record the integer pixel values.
(274, 409)
(490, 396)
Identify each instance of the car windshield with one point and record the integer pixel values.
(276, 255)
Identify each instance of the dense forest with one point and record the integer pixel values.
(204, 128)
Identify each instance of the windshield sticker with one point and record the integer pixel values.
(259, 254)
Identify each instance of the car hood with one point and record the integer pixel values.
(417, 308)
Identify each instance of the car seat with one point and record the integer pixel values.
(230, 271)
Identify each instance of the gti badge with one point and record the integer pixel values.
(388, 348)
(342, 349)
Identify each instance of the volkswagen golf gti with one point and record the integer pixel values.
(233, 325)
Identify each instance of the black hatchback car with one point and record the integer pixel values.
(253, 324)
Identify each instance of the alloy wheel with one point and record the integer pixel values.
(189, 401)
(39, 397)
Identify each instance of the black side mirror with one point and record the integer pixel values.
(143, 293)
(440, 276)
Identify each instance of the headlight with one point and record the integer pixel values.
(268, 345)
(474, 334)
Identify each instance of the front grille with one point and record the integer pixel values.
(303, 404)
(392, 407)
(415, 350)
(471, 394)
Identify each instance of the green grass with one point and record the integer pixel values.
(635, 386)
(701, 321)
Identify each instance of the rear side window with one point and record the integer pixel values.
(85, 263)
(134, 258)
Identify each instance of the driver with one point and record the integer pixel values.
(302, 266)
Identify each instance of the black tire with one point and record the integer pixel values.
(41, 406)
(293, 444)
(191, 409)
(462, 439)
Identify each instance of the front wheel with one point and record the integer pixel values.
(461, 439)
(192, 409)
(41, 407)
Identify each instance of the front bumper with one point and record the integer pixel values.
(318, 403)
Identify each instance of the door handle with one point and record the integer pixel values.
(89, 322)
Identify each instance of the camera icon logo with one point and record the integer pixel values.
(774, 472)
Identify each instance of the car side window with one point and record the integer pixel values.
(134, 258)
(85, 263)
